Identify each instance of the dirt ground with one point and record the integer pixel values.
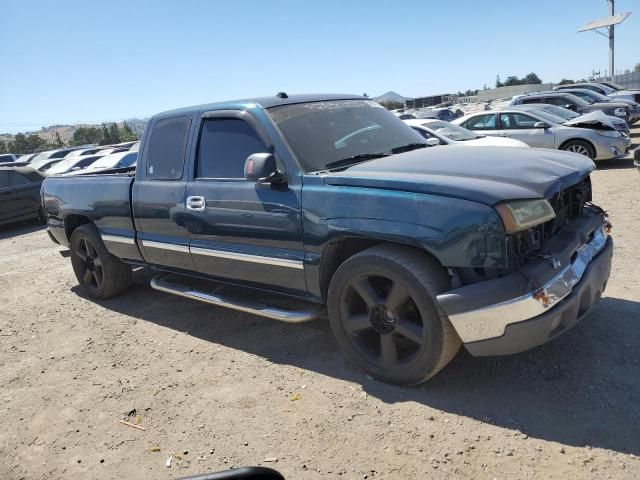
(219, 389)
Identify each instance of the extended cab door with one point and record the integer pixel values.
(6, 198)
(159, 194)
(242, 230)
(521, 126)
(25, 195)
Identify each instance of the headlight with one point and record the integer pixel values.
(523, 214)
(610, 133)
(620, 112)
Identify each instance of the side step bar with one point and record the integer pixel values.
(164, 283)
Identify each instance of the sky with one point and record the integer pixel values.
(86, 61)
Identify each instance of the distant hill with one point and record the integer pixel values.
(391, 96)
(66, 131)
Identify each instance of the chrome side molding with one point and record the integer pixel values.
(164, 284)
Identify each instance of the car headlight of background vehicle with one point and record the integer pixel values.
(523, 214)
(620, 112)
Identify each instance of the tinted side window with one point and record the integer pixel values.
(17, 179)
(4, 179)
(531, 100)
(167, 147)
(224, 146)
(516, 120)
(482, 122)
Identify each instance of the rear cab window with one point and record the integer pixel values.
(167, 148)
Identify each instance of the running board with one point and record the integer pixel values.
(166, 283)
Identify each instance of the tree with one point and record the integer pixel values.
(86, 136)
(114, 133)
(106, 136)
(531, 79)
(3, 147)
(390, 105)
(498, 82)
(565, 81)
(22, 144)
(58, 143)
(127, 134)
(637, 67)
(512, 80)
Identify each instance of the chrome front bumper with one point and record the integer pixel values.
(492, 321)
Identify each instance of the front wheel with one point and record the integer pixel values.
(581, 147)
(100, 274)
(384, 315)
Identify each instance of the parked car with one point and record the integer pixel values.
(19, 194)
(603, 89)
(592, 97)
(8, 158)
(567, 114)
(620, 88)
(115, 160)
(53, 154)
(412, 250)
(449, 134)
(72, 164)
(538, 128)
(26, 158)
(570, 101)
(438, 113)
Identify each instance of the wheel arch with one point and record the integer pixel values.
(73, 221)
(338, 250)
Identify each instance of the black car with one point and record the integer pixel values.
(19, 194)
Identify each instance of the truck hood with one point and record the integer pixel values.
(596, 120)
(486, 175)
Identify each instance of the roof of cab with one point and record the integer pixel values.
(264, 102)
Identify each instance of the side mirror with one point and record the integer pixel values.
(432, 142)
(262, 168)
(571, 107)
(541, 125)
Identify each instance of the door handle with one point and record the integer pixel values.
(196, 203)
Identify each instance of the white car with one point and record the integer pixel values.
(115, 160)
(72, 164)
(450, 134)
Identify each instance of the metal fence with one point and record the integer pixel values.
(508, 92)
(627, 80)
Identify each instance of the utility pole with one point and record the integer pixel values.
(612, 41)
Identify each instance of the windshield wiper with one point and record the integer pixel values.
(354, 159)
(408, 147)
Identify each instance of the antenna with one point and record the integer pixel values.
(607, 23)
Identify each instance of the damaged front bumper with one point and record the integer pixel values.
(544, 298)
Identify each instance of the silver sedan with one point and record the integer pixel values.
(538, 128)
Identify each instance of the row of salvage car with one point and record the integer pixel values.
(571, 118)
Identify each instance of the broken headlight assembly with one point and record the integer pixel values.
(523, 214)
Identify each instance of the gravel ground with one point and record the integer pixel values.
(219, 389)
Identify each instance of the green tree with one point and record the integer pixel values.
(512, 80)
(498, 82)
(126, 133)
(106, 136)
(22, 144)
(531, 79)
(3, 147)
(114, 133)
(86, 136)
(565, 81)
(637, 67)
(389, 105)
(58, 143)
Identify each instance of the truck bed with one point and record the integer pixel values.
(103, 199)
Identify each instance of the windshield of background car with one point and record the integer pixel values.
(320, 133)
(451, 131)
(560, 112)
(548, 116)
(598, 97)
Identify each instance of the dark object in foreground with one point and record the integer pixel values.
(244, 473)
(414, 250)
(20, 194)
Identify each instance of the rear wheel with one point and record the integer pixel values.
(581, 147)
(100, 274)
(384, 315)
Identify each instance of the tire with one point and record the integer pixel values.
(581, 147)
(383, 313)
(99, 273)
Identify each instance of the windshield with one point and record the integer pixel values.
(42, 156)
(323, 133)
(559, 111)
(451, 131)
(596, 97)
(547, 116)
(612, 85)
